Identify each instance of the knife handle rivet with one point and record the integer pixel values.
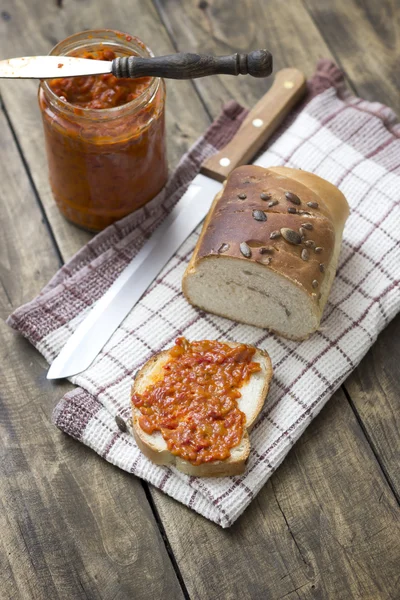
(288, 85)
(224, 162)
(258, 122)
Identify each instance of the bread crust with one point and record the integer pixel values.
(230, 222)
(160, 455)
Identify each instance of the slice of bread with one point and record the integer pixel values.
(253, 395)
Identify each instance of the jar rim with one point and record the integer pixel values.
(92, 37)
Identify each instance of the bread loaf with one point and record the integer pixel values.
(269, 249)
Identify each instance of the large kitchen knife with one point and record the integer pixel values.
(96, 329)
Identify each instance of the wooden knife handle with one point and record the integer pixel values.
(288, 88)
(190, 66)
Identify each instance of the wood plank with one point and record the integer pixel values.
(374, 391)
(363, 37)
(325, 526)
(284, 28)
(34, 27)
(72, 526)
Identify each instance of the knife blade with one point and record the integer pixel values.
(96, 329)
(93, 333)
(49, 67)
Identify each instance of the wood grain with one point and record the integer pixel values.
(72, 526)
(222, 26)
(364, 39)
(325, 526)
(374, 390)
(188, 65)
(34, 27)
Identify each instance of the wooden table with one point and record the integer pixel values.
(71, 525)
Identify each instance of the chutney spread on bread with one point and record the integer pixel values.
(194, 403)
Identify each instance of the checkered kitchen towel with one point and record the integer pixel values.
(350, 142)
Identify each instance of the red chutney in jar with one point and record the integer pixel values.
(194, 405)
(105, 137)
(99, 91)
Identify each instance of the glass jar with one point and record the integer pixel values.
(104, 162)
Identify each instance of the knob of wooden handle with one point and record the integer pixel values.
(191, 66)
